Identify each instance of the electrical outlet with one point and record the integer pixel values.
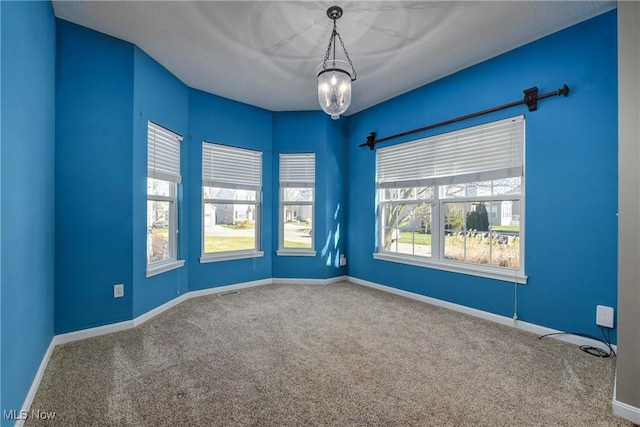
(343, 261)
(118, 290)
(604, 316)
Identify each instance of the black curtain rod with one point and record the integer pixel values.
(531, 98)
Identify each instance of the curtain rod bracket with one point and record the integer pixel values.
(531, 98)
(371, 141)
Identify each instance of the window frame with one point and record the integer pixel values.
(429, 201)
(438, 231)
(207, 257)
(282, 251)
(301, 181)
(154, 268)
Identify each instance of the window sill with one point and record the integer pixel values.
(296, 252)
(229, 256)
(456, 267)
(154, 270)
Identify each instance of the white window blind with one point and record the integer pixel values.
(298, 170)
(163, 153)
(489, 151)
(231, 167)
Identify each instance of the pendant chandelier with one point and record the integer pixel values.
(335, 75)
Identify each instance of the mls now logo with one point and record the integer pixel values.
(14, 414)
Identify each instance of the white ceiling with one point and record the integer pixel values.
(265, 53)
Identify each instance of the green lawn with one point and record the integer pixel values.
(515, 228)
(214, 244)
(288, 244)
(417, 238)
(228, 243)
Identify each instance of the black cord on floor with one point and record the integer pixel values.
(594, 351)
(607, 339)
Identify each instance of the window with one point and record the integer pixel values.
(231, 195)
(455, 201)
(163, 178)
(297, 196)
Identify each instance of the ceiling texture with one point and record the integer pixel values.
(265, 53)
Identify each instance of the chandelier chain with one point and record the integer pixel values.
(332, 42)
(355, 74)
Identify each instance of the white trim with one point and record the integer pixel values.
(229, 256)
(510, 276)
(503, 320)
(292, 176)
(129, 324)
(288, 281)
(621, 409)
(195, 294)
(227, 288)
(296, 252)
(35, 384)
(154, 312)
(163, 268)
(92, 332)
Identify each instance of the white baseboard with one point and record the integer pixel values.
(503, 320)
(228, 288)
(35, 384)
(287, 281)
(621, 409)
(128, 324)
(194, 294)
(154, 312)
(336, 279)
(92, 332)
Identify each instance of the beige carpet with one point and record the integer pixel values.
(323, 355)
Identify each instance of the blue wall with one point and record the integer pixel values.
(336, 168)
(220, 120)
(313, 132)
(27, 199)
(162, 98)
(571, 177)
(93, 185)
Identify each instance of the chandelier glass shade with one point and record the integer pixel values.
(334, 87)
(335, 75)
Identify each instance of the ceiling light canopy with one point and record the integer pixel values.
(335, 75)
